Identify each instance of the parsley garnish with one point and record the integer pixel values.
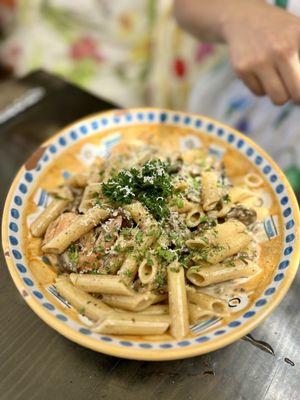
(73, 254)
(126, 232)
(150, 185)
(180, 203)
(226, 198)
(82, 311)
(108, 237)
(149, 261)
(139, 237)
(160, 280)
(203, 219)
(128, 273)
(58, 197)
(166, 254)
(100, 249)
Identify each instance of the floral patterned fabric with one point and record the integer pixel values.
(130, 52)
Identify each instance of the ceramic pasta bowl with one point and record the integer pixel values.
(75, 148)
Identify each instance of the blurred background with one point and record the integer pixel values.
(130, 52)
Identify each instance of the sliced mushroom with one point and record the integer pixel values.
(246, 215)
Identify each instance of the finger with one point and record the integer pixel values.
(289, 71)
(253, 84)
(273, 85)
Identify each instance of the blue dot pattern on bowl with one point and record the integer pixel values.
(61, 317)
(28, 177)
(38, 294)
(13, 227)
(114, 119)
(21, 268)
(14, 213)
(85, 331)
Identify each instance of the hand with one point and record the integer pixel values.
(264, 44)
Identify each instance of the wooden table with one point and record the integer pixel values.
(38, 363)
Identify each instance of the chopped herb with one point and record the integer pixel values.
(202, 163)
(196, 184)
(230, 263)
(126, 232)
(180, 203)
(100, 249)
(226, 198)
(174, 269)
(166, 254)
(150, 185)
(94, 272)
(204, 239)
(128, 273)
(243, 258)
(203, 219)
(154, 232)
(139, 237)
(195, 268)
(73, 254)
(58, 197)
(108, 237)
(149, 261)
(82, 310)
(117, 249)
(160, 279)
(97, 272)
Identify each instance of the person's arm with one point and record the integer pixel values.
(264, 41)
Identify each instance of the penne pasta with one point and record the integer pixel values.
(156, 309)
(223, 241)
(180, 186)
(193, 218)
(91, 174)
(132, 324)
(239, 193)
(182, 205)
(79, 180)
(116, 260)
(51, 212)
(141, 216)
(128, 270)
(204, 276)
(137, 302)
(148, 270)
(212, 191)
(178, 304)
(83, 302)
(207, 302)
(88, 197)
(253, 180)
(104, 284)
(198, 314)
(81, 225)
